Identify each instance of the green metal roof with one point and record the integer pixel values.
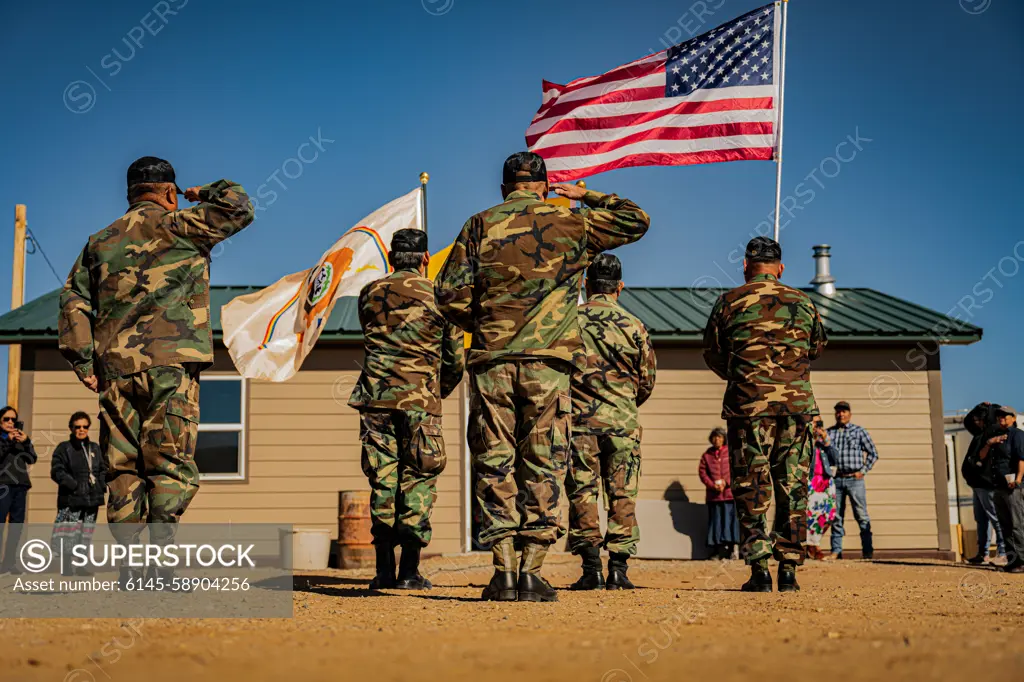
(671, 314)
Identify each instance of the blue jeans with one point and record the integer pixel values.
(13, 502)
(854, 490)
(985, 517)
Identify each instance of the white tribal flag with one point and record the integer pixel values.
(270, 332)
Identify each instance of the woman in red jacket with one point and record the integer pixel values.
(723, 526)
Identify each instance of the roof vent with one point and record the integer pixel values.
(824, 283)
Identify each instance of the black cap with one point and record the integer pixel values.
(605, 267)
(524, 167)
(151, 169)
(409, 241)
(763, 250)
(842, 405)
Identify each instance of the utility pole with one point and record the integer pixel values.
(17, 299)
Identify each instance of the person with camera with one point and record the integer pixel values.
(982, 423)
(80, 471)
(16, 455)
(1007, 452)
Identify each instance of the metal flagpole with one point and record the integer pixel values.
(424, 179)
(782, 91)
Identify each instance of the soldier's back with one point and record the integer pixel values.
(530, 256)
(770, 333)
(151, 293)
(402, 336)
(604, 393)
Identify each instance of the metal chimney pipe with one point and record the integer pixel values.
(824, 283)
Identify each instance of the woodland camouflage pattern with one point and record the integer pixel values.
(617, 379)
(761, 338)
(769, 454)
(413, 356)
(153, 415)
(513, 275)
(614, 461)
(618, 376)
(139, 294)
(518, 436)
(413, 359)
(402, 456)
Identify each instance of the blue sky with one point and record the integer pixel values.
(923, 209)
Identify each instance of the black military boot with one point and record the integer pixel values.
(760, 578)
(592, 578)
(787, 577)
(531, 586)
(617, 579)
(159, 578)
(385, 578)
(130, 579)
(409, 577)
(503, 583)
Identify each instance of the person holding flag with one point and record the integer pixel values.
(513, 279)
(414, 359)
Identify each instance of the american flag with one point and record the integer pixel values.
(712, 98)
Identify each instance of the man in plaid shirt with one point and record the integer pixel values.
(856, 455)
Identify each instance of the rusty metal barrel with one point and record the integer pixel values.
(355, 542)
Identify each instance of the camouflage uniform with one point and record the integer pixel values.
(414, 358)
(513, 279)
(618, 378)
(761, 338)
(135, 313)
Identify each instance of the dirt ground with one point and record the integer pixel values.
(896, 620)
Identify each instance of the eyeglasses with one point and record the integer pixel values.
(8, 419)
(83, 427)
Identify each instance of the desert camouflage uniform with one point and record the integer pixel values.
(618, 378)
(513, 280)
(761, 338)
(135, 313)
(414, 358)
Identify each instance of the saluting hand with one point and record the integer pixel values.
(192, 194)
(570, 191)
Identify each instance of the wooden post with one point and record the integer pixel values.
(17, 299)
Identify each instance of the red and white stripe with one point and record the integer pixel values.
(623, 119)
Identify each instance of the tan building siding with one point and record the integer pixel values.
(302, 442)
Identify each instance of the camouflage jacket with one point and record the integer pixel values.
(619, 375)
(513, 275)
(761, 338)
(410, 348)
(139, 294)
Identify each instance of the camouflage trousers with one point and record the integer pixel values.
(403, 454)
(614, 461)
(148, 428)
(519, 414)
(766, 455)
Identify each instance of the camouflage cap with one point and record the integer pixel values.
(605, 267)
(763, 250)
(409, 241)
(151, 170)
(524, 167)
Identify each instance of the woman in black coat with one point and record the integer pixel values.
(16, 457)
(79, 469)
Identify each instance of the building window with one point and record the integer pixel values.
(220, 452)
